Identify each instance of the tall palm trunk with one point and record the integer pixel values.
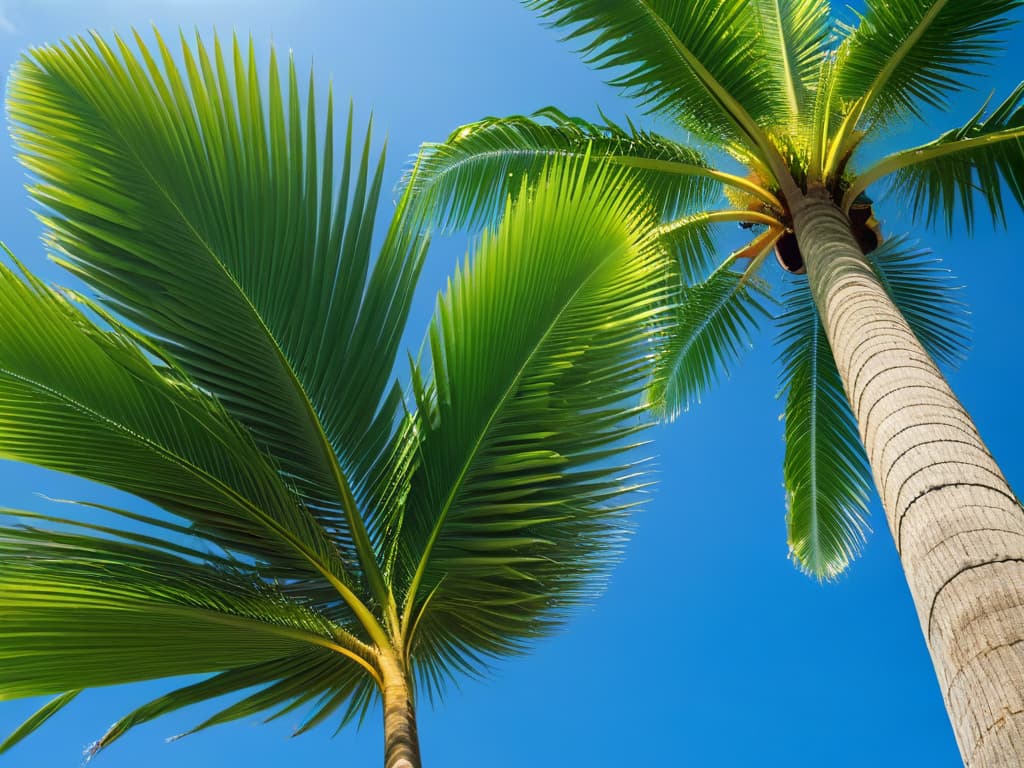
(401, 742)
(958, 527)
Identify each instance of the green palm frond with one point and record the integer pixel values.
(692, 242)
(78, 399)
(981, 159)
(82, 611)
(794, 34)
(712, 324)
(515, 511)
(925, 294)
(37, 719)
(217, 229)
(464, 182)
(280, 681)
(905, 54)
(697, 62)
(825, 471)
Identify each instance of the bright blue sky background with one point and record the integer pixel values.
(708, 649)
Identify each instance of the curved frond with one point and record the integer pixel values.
(37, 719)
(825, 470)
(905, 54)
(200, 210)
(713, 322)
(793, 35)
(82, 611)
(979, 160)
(78, 399)
(464, 182)
(265, 675)
(924, 292)
(699, 62)
(537, 351)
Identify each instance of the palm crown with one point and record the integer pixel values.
(321, 542)
(793, 96)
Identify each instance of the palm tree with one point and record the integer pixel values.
(783, 90)
(313, 542)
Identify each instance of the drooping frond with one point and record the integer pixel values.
(515, 511)
(825, 471)
(210, 216)
(283, 685)
(691, 239)
(793, 39)
(711, 326)
(82, 611)
(93, 610)
(464, 182)
(698, 62)
(925, 294)
(79, 399)
(37, 719)
(905, 54)
(980, 159)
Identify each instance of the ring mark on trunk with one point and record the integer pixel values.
(876, 374)
(891, 465)
(941, 487)
(968, 531)
(923, 425)
(890, 393)
(958, 574)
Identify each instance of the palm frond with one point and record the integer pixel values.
(200, 211)
(283, 686)
(712, 325)
(905, 54)
(825, 471)
(37, 719)
(924, 292)
(692, 242)
(82, 611)
(979, 160)
(516, 509)
(78, 399)
(464, 181)
(793, 39)
(697, 62)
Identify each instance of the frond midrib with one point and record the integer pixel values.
(360, 536)
(503, 399)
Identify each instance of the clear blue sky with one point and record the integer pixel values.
(708, 649)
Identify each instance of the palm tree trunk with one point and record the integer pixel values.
(401, 742)
(958, 527)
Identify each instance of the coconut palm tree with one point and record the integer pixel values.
(783, 90)
(312, 539)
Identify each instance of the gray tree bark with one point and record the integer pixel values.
(958, 527)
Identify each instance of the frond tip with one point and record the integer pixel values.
(825, 470)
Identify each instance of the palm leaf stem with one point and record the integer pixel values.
(684, 169)
(915, 155)
(757, 251)
(760, 142)
(788, 76)
(845, 141)
(719, 217)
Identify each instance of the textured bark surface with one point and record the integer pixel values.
(958, 527)
(401, 742)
